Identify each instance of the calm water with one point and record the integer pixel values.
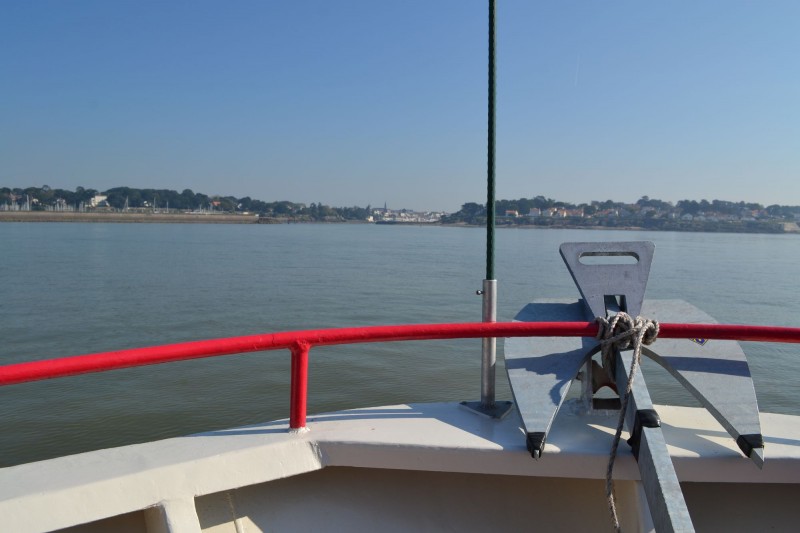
(78, 288)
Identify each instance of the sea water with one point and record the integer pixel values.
(68, 289)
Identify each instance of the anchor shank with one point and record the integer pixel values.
(663, 491)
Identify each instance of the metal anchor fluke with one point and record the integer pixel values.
(715, 372)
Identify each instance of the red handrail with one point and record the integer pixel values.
(300, 342)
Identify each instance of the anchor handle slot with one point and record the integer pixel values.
(609, 272)
(608, 258)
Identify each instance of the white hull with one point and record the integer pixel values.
(407, 467)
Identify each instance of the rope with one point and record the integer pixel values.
(622, 332)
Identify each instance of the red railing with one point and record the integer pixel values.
(300, 342)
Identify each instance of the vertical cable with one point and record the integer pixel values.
(490, 207)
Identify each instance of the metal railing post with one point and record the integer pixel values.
(299, 388)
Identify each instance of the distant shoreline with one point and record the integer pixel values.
(788, 228)
(154, 218)
(195, 218)
(126, 218)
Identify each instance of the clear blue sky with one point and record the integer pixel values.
(357, 102)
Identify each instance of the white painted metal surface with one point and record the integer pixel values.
(411, 465)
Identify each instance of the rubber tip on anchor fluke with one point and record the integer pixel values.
(752, 446)
(535, 443)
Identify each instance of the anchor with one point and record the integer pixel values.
(715, 372)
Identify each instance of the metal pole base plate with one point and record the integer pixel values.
(498, 410)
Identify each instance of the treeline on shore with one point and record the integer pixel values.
(646, 213)
(128, 198)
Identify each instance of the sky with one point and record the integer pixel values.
(357, 102)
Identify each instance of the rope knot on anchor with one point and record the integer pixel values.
(622, 332)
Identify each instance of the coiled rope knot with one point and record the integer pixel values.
(622, 332)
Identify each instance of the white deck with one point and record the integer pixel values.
(420, 466)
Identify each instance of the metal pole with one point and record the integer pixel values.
(489, 348)
(488, 405)
(490, 152)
